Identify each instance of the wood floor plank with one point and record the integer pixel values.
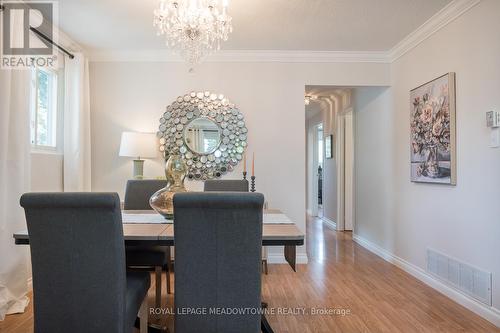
(341, 275)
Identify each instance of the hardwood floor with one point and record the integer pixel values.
(380, 296)
(368, 294)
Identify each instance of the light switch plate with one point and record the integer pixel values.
(493, 119)
(495, 138)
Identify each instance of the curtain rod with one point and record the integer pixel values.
(70, 55)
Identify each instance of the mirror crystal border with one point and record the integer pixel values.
(215, 107)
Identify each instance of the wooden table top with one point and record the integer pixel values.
(273, 234)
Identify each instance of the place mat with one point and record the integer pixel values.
(277, 219)
(144, 218)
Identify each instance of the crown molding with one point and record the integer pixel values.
(438, 21)
(67, 42)
(243, 56)
(448, 14)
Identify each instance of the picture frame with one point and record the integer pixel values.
(433, 131)
(328, 146)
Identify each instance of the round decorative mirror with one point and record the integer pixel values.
(202, 136)
(207, 131)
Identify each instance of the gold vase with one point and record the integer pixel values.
(163, 200)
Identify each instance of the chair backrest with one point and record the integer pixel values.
(138, 192)
(78, 261)
(226, 185)
(218, 241)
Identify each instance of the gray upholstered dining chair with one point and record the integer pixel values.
(137, 194)
(218, 239)
(226, 185)
(233, 185)
(80, 282)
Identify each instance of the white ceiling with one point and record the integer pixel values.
(313, 25)
(320, 93)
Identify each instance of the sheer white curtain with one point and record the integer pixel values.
(14, 181)
(77, 165)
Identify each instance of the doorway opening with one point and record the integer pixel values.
(315, 161)
(330, 155)
(319, 168)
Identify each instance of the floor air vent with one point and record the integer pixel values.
(468, 279)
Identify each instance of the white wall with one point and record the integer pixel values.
(406, 218)
(374, 123)
(133, 95)
(46, 172)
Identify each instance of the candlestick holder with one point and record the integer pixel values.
(244, 175)
(252, 184)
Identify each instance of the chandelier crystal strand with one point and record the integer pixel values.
(193, 28)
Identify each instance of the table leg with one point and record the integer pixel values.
(152, 328)
(290, 255)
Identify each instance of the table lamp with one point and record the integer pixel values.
(135, 144)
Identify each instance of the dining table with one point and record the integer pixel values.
(148, 228)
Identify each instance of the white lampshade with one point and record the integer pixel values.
(139, 145)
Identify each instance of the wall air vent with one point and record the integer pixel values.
(466, 278)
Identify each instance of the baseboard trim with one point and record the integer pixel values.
(487, 312)
(329, 223)
(276, 258)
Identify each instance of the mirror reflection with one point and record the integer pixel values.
(202, 136)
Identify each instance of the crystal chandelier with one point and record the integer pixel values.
(193, 28)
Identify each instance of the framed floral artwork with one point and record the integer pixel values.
(432, 126)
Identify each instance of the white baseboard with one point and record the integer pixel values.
(276, 258)
(329, 223)
(487, 312)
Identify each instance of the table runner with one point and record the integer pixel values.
(157, 218)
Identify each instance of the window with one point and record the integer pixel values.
(44, 109)
(210, 140)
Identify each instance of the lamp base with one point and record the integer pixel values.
(138, 169)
